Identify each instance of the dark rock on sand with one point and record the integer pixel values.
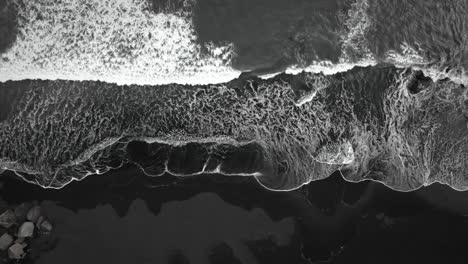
(5, 241)
(26, 230)
(33, 214)
(7, 219)
(16, 251)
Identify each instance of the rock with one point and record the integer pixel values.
(7, 219)
(5, 241)
(39, 221)
(34, 213)
(26, 229)
(21, 211)
(45, 226)
(21, 241)
(16, 251)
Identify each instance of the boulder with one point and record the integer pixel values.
(26, 229)
(16, 251)
(5, 241)
(34, 213)
(7, 219)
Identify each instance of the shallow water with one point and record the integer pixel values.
(381, 123)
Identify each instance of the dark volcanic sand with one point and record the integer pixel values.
(125, 217)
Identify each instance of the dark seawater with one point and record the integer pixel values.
(271, 35)
(207, 41)
(7, 25)
(126, 217)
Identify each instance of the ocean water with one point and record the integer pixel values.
(200, 42)
(280, 95)
(114, 41)
(383, 123)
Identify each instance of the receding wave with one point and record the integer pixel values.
(382, 123)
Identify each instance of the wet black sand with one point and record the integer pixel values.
(123, 215)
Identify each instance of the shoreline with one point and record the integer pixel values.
(328, 203)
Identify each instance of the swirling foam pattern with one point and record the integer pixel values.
(428, 35)
(433, 34)
(391, 125)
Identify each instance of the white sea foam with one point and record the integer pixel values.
(354, 46)
(356, 52)
(329, 68)
(119, 41)
(124, 42)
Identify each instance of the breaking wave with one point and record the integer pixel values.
(122, 42)
(129, 42)
(373, 35)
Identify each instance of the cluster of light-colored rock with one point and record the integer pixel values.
(18, 226)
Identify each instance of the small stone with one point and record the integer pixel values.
(7, 219)
(39, 221)
(34, 213)
(5, 241)
(16, 251)
(45, 226)
(21, 241)
(26, 229)
(21, 211)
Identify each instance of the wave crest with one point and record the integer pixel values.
(114, 41)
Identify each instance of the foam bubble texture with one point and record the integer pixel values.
(381, 123)
(119, 41)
